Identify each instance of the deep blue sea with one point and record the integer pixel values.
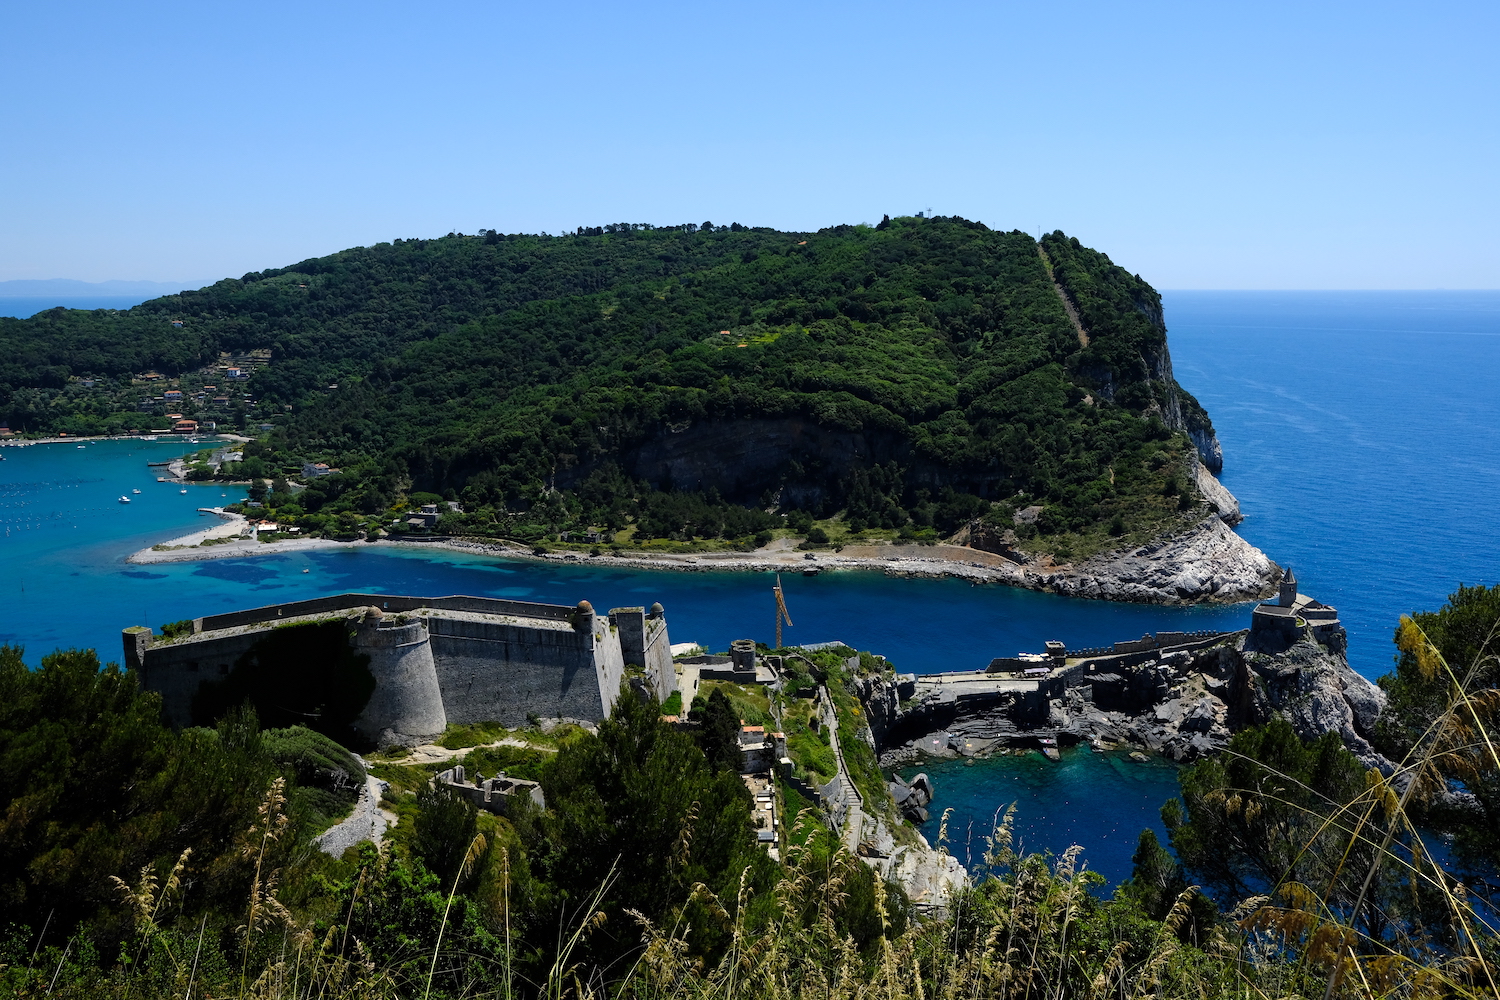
(25, 306)
(1361, 432)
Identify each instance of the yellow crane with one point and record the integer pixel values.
(781, 612)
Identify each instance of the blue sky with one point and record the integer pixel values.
(1203, 145)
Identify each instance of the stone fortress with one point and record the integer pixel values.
(1293, 615)
(1182, 694)
(425, 663)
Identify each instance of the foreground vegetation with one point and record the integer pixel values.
(142, 862)
(921, 369)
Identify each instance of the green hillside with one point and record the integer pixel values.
(672, 381)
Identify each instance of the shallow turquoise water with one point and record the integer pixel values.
(1361, 433)
(1099, 800)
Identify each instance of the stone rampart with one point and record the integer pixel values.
(492, 671)
(391, 603)
(434, 661)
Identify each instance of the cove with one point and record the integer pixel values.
(1099, 800)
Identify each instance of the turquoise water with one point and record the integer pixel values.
(1099, 800)
(1361, 433)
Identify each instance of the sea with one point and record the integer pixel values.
(1361, 433)
(26, 306)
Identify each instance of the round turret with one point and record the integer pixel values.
(657, 610)
(742, 656)
(407, 704)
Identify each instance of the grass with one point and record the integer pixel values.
(459, 736)
(750, 701)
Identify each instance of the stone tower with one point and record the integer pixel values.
(407, 705)
(1288, 593)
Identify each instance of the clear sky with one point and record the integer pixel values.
(1203, 145)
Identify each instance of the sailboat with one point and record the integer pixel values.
(183, 490)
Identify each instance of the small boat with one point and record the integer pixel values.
(80, 447)
(306, 571)
(124, 499)
(136, 492)
(182, 491)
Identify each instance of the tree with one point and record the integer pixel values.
(93, 784)
(638, 810)
(444, 828)
(1441, 714)
(720, 735)
(1274, 811)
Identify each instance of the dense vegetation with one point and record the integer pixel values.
(139, 861)
(1444, 652)
(906, 375)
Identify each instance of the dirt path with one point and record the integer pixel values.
(1067, 303)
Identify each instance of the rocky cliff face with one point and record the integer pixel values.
(1315, 688)
(1207, 443)
(1205, 562)
(1189, 705)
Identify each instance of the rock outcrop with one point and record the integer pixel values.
(1313, 686)
(1209, 449)
(1215, 493)
(1185, 704)
(1205, 562)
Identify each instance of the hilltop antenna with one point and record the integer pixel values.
(781, 611)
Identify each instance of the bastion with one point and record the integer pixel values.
(388, 669)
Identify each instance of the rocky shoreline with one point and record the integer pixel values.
(1184, 706)
(1205, 563)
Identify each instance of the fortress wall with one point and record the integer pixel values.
(609, 665)
(659, 663)
(176, 670)
(386, 602)
(644, 643)
(493, 671)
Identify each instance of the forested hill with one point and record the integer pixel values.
(884, 370)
